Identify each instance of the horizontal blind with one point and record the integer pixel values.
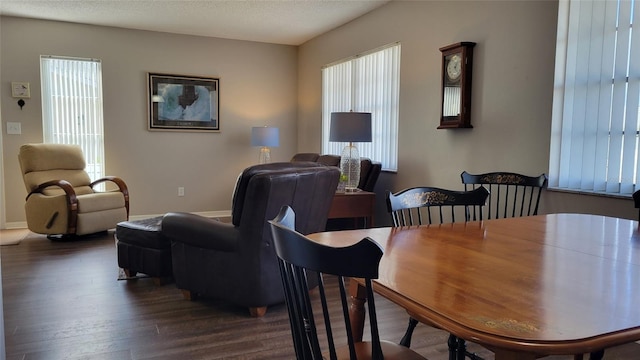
(367, 83)
(594, 144)
(72, 107)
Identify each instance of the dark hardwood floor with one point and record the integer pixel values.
(62, 300)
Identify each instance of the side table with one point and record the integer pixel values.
(356, 205)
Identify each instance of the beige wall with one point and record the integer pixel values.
(511, 100)
(266, 84)
(258, 86)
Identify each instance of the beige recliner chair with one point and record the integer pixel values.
(61, 199)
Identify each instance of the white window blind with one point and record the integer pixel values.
(366, 83)
(594, 139)
(72, 107)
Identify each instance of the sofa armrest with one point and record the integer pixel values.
(369, 173)
(199, 231)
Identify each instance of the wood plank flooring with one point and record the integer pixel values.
(62, 300)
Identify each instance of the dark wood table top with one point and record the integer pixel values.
(523, 287)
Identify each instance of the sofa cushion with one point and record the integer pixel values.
(329, 160)
(305, 157)
(100, 201)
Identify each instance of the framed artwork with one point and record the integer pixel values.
(183, 103)
(20, 90)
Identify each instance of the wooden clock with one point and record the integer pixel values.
(457, 65)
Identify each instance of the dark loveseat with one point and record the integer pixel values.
(236, 262)
(369, 170)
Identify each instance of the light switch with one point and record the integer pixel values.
(14, 128)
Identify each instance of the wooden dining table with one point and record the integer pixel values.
(522, 287)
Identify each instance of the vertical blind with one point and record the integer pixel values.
(594, 140)
(366, 83)
(72, 107)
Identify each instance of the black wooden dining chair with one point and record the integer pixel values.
(300, 259)
(511, 194)
(429, 205)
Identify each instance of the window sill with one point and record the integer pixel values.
(591, 193)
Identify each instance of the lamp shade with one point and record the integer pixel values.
(350, 127)
(265, 136)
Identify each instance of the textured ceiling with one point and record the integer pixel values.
(290, 22)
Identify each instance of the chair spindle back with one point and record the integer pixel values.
(511, 194)
(428, 205)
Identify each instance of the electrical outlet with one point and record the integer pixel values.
(14, 128)
(180, 191)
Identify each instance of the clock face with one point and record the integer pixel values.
(454, 67)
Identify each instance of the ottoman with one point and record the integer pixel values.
(143, 249)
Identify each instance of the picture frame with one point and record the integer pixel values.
(183, 103)
(20, 90)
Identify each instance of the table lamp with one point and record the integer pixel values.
(265, 137)
(350, 127)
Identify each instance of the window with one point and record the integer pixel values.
(366, 83)
(594, 137)
(72, 107)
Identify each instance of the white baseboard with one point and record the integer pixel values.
(211, 214)
(16, 225)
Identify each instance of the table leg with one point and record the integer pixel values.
(452, 343)
(356, 311)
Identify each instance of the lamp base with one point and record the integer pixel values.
(350, 167)
(265, 155)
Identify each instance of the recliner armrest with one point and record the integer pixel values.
(122, 187)
(199, 231)
(62, 184)
(72, 201)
